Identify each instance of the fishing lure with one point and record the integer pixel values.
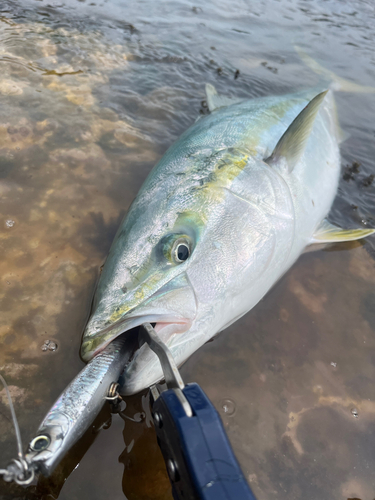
(70, 416)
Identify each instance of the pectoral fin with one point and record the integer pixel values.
(328, 233)
(290, 147)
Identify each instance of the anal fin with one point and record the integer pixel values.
(329, 233)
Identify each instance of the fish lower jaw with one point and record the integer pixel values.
(144, 368)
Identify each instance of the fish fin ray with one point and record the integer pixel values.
(216, 101)
(329, 233)
(336, 82)
(292, 143)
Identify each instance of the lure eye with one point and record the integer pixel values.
(182, 252)
(40, 443)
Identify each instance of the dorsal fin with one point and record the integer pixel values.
(215, 101)
(292, 143)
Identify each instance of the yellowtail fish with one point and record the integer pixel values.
(222, 216)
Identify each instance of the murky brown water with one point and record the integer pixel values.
(91, 96)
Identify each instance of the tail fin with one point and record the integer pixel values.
(337, 83)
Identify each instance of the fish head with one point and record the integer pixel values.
(145, 276)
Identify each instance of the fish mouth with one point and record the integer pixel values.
(166, 326)
(172, 309)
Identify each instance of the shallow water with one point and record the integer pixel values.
(92, 94)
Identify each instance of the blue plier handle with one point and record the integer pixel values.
(200, 461)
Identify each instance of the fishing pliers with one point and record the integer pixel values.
(198, 456)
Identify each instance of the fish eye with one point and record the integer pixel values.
(177, 248)
(182, 252)
(40, 443)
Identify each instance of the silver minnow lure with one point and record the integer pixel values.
(77, 407)
(72, 413)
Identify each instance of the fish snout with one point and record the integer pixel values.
(172, 308)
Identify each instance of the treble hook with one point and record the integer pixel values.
(18, 470)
